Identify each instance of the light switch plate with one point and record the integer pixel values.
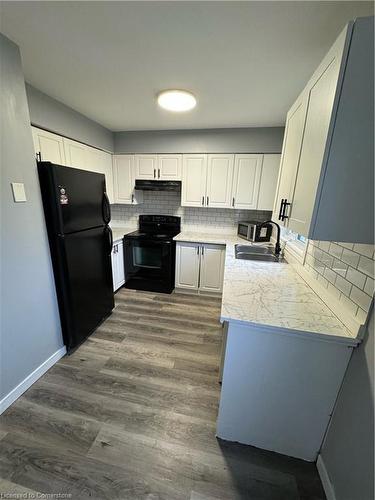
(19, 194)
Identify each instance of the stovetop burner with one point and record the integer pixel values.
(157, 227)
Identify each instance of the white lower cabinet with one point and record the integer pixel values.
(212, 268)
(118, 269)
(200, 266)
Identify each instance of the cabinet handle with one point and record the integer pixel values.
(154, 173)
(233, 202)
(207, 200)
(283, 216)
(132, 198)
(281, 209)
(197, 250)
(158, 173)
(202, 251)
(39, 156)
(202, 200)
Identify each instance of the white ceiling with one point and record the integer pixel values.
(244, 61)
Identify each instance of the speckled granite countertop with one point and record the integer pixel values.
(271, 295)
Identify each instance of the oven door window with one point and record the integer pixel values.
(149, 257)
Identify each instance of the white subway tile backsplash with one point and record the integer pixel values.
(350, 257)
(360, 298)
(339, 267)
(361, 315)
(324, 245)
(366, 250)
(347, 245)
(193, 219)
(358, 279)
(330, 275)
(366, 265)
(326, 259)
(349, 269)
(369, 286)
(335, 250)
(343, 285)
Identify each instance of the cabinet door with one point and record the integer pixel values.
(246, 181)
(120, 263)
(123, 181)
(187, 265)
(169, 167)
(194, 173)
(146, 166)
(101, 162)
(212, 268)
(293, 134)
(114, 262)
(219, 180)
(268, 181)
(322, 89)
(75, 154)
(50, 146)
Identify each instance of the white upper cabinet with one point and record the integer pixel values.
(212, 268)
(268, 181)
(158, 167)
(328, 140)
(123, 181)
(101, 162)
(293, 135)
(322, 90)
(169, 167)
(75, 154)
(50, 146)
(146, 167)
(246, 181)
(194, 174)
(219, 180)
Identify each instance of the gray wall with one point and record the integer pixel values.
(30, 326)
(46, 112)
(236, 140)
(348, 450)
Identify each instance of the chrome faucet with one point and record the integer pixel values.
(277, 245)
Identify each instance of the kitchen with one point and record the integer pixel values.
(222, 365)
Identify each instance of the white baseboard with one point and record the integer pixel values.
(323, 474)
(30, 379)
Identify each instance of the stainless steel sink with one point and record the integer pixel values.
(249, 252)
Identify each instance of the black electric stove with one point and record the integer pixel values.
(150, 254)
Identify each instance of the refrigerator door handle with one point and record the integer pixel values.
(106, 209)
(108, 230)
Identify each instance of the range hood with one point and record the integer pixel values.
(158, 185)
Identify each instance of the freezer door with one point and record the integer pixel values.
(76, 198)
(86, 289)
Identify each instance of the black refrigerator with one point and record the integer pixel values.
(77, 214)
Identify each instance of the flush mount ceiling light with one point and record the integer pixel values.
(176, 100)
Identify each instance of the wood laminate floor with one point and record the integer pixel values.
(131, 415)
